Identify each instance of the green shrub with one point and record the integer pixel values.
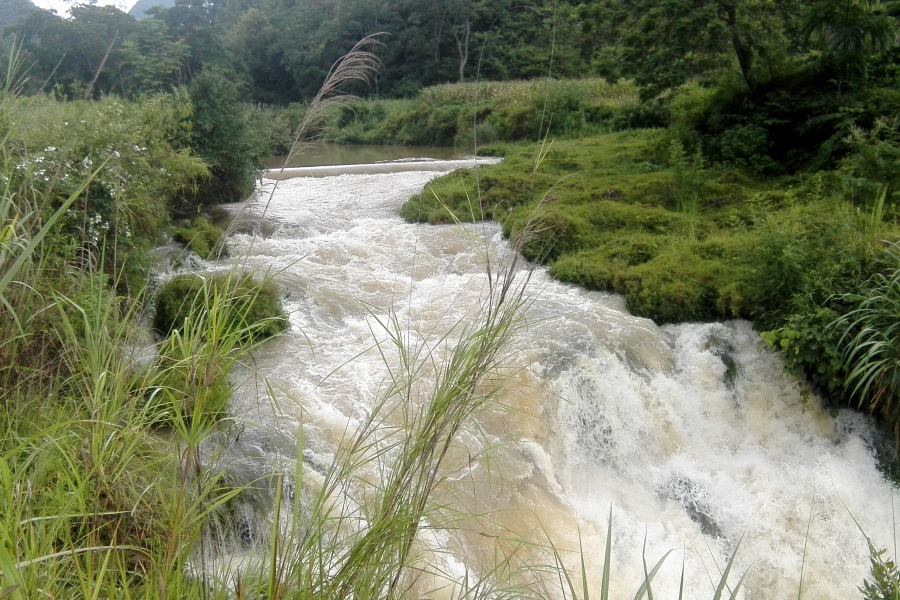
(483, 134)
(810, 344)
(885, 577)
(747, 146)
(231, 138)
(202, 237)
(253, 307)
(871, 345)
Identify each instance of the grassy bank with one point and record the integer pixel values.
(683, 240)
(110, 478)
(461, 114)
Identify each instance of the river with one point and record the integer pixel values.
(691, 433)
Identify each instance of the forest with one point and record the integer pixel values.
(705, 159)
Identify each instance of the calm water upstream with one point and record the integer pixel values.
(603, 408)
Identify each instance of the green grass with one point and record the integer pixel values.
(447, 115)
(617, 219)
(98, 501)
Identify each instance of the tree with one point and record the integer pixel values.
(224, 136)
(151, 59)
(252, 43)
(850, 33)
(666, 43)
(74, 52)
(194, 23)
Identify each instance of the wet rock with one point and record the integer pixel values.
(692, 497)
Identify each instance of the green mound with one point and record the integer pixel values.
(249, 308)
(202, 237)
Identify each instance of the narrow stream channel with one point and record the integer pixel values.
(691, 433)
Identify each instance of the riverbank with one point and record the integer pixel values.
(96, 501)
(464, 115)
(683, 240)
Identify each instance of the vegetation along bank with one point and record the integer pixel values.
(705, 160)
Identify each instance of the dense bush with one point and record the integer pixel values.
(798, 119)
(254, 307)
(125, 156)
(230, 137)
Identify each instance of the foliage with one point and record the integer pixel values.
(505, 111)
(664, 45)
(151, 59)
(871, 342)
(99, 51)
(229, 137)
(811, 344)
(874, 161)
(885, 584)
(253, 307)
(852, 32)
(202, 237)
(109, 166)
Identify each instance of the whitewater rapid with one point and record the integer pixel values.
(692, 433)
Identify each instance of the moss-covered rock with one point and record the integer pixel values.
(202, 237)
(250, 307)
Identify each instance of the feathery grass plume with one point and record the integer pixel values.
(360, 538)
(358, 65)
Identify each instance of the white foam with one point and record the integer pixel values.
(629, 414)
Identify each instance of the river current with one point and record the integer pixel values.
(692, 433)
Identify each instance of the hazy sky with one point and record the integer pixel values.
(62, 6)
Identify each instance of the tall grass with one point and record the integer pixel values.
(98, 501)
(871, 344)
(591, 91)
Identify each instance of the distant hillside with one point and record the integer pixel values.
(138, 11)
(13, 10)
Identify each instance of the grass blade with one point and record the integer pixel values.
(723, 582)
(607, 559)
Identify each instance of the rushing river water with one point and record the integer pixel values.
(691, 433)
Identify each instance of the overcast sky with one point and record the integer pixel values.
(62, 6)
